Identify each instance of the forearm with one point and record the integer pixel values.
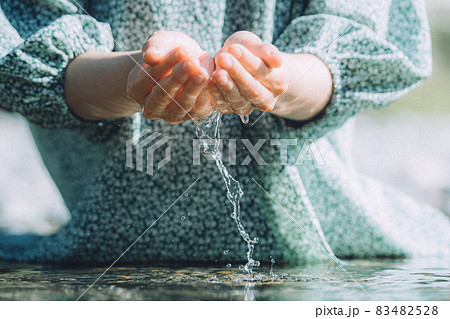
(310, 87)
(95, 85)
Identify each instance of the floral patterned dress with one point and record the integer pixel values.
(300, 213)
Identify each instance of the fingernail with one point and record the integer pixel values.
(181, 72)
(236, 51)
(187, 66)
(198, 78)
(223, 80)
(151, 55)
(179, 54)
(227, 62)
(153, 51)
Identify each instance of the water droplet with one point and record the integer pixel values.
(225, 252)
(241, 267)
(188, 213)
(256, 263)
(272, 274)
(255, 240)
(183, 217)
(244, 118)
(228, 265)
(186, 194)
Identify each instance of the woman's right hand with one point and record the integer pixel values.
(171, 82)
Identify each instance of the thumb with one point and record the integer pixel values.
(244, 38)
(155, 52)
(161, 43)
(267, 52)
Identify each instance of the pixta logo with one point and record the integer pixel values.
(308, 151)
(146, 143)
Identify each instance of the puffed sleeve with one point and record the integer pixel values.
(377, 51)
(32, 64)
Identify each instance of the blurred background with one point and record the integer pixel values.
(406, 145)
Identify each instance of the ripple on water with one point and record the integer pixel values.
(384, 280)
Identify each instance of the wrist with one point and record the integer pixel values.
(95, 85)
(310, 87)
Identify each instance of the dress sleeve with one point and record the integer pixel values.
(377, 51)
(32, 68)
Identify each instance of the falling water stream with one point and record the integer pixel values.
(208, 129)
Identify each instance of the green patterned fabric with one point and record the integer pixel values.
(376, 55)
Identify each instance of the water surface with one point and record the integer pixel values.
(382, 280)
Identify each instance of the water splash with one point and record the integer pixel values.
(271, 273)
(209, 129)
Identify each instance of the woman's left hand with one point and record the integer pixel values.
(250, 75)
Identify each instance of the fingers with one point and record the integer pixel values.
(186, 99)
(139, 83)
(181, 96)
(162, 95)
(166, 64)
(230, 92)
(151, 55)
(203, 106)
(158, 46)
(236, 103)
(249, 87)
(273, 79)
(179, 88)
(218, 100)
(207, 62)
(270, 78)
(143, 78)
(249, 61)
(161, 43)
(268, 53)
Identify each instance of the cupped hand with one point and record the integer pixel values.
(249, 75)
(171, 80)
